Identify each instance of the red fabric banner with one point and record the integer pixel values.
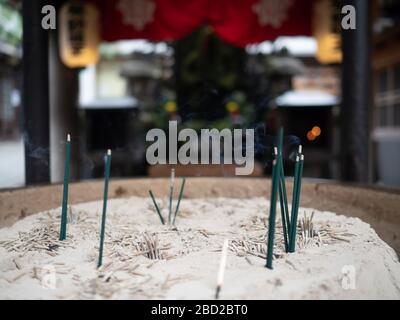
(243, 22)
(239, 22)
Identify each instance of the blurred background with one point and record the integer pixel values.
(109, 71)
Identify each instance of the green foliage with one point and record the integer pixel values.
(207, 71)
(10, 24)
(203, 58)
(239, 114)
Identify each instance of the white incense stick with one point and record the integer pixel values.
(300, 149)
(275, 151)
(222, 265)
(302, 157)
(109, 152)
(172, 178)
(68, 137)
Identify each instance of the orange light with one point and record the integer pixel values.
(311, 136)
(316, 131)
(79, 46)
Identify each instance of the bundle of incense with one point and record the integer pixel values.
(296, 199)
(289, 224)
(286, 220)
(171, 215)
(63, 226)
(222, 265)
(105, 198)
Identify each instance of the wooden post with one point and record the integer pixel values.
(35, 94)
(64, 90)
(356, 91)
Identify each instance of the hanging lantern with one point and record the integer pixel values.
(325, 32)
(79, 34)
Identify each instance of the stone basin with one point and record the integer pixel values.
(380, 207)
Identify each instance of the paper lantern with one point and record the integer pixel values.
(79, 34)
(328, 39)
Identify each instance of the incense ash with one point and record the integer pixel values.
(144, 259)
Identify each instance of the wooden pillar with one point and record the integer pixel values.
(356, 92)
(35, 94)
(63, 108)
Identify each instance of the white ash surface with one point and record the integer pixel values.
(145, 260)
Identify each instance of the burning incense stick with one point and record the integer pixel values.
(294, 195)
(296, 198)
(295, 182)
(222, 266)
(63, 227)
(283, 184)
(103, 218)
(272, 212)
(276, 170)
(283, 213)
(283, 201)
(293, 229)
(179, 200)
(157, 208)
(171, 194)
(292, 246)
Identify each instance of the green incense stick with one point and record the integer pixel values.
(292, 247)
(283, 199)
(103, 218)
(63, 226)
(282, 190)
(284, 204)
(295, 182)
(274, 190)
(171, 194)
(179, 200)
(283, 215)
(294, 195)
(157, 208)
(272, 214)
(287, 218)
